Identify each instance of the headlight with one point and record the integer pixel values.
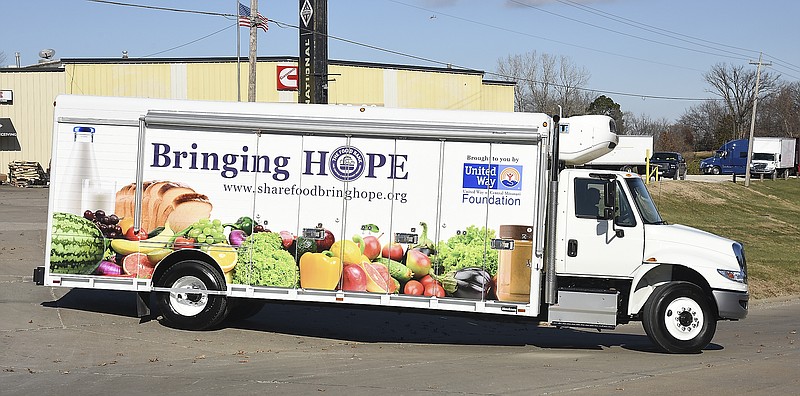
(736, 276)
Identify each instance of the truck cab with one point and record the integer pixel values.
(677, 280)
(731, 158)
(765, 164)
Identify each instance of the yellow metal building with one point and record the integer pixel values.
(35, 89)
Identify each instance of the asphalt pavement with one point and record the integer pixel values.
(58, 341)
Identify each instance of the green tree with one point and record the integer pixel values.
(604, 105)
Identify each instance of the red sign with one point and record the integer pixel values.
(287, 78)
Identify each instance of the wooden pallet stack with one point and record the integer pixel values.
(26, 174)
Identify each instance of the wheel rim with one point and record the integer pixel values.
(684, 318)
(185, 303)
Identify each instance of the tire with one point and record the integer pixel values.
(678, 318)
(675, 176)
(187, 310)
(243, 308)
(715, 170)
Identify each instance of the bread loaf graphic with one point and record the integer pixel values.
(162, 202)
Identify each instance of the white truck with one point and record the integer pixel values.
(439, 210)
(629, 155)
(774, 156)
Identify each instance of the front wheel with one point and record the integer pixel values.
(715, 170)
(678, 318)
(184, 309)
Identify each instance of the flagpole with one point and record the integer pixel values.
(238, 56)
(251, 87)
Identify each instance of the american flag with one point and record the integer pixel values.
(244, 18)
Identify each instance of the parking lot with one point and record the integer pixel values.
(59, 341)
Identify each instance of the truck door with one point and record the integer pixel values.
(594, 245)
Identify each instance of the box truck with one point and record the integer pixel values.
(774, 156)
(210, 209)
(731, 158)
(629, 155)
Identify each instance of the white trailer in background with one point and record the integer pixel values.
(507, 229)
(629, 155)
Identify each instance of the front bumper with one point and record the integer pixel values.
(731, 305)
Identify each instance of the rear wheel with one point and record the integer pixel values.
(678, 318)
(184, 309)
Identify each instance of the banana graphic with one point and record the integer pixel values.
(160, 241)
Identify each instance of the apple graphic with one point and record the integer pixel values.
(354, 278)
(393, 251)
(326, 242)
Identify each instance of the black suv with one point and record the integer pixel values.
(670, 165)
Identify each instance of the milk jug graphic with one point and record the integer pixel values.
(84, 189)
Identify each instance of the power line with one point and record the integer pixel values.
(655, 29)
(672, 34)
(623, 33)
(544, 38)
(399, 53)
(190, 42)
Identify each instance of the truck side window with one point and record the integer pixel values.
(589, 195)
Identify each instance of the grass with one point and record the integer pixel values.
(764, 217)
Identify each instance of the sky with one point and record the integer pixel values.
(647, 55)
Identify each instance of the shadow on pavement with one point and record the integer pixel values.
(372, 324)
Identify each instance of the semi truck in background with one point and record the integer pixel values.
(629, 155)
(771, 155)
(209, 209)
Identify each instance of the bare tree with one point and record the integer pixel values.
(545, 81)
(780, 113)
(736, 86)
(2, 57)
(571, 79)
(517, 68)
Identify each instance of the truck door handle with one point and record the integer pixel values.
(572, 248)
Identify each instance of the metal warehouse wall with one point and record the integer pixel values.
(32, 115)
(215, 79)
(389, 87)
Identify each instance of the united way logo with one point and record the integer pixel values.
(347, 163)
(510, 178)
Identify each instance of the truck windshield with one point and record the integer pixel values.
(763, 157)
(643, 201)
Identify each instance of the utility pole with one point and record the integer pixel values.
(251, 88)
(753, 120)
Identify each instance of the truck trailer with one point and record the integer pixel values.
(629, 155)
(210, 209)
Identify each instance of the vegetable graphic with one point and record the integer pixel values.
(396, 269)
(271, 265)
(320, 271)
(474, 283)
(243, 224)
(425, 245)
